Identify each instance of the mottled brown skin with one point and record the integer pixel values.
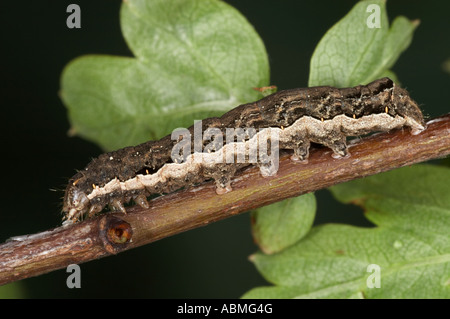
(280, 109)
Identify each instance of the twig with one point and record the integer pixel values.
(32, 255)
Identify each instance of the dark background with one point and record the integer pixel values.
(37, 154)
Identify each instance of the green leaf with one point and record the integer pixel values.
(411, 243)
(14, 290)
(355, 51)
(280, 225)
(193, 59)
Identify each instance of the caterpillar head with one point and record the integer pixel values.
(406, 107)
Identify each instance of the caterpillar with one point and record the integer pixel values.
(289, 119)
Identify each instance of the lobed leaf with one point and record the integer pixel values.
(193, 59)
(357, 50)
(410, 245)
(280, 225)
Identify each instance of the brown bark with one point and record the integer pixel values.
(32, 255)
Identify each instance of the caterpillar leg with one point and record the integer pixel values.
(141, 200)
(222, 175)
(339, 147)
(223, 182)
(299, 142)
(268, 169)
(94, 210)
(301, 151)
(223, 187)
(116, 205)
